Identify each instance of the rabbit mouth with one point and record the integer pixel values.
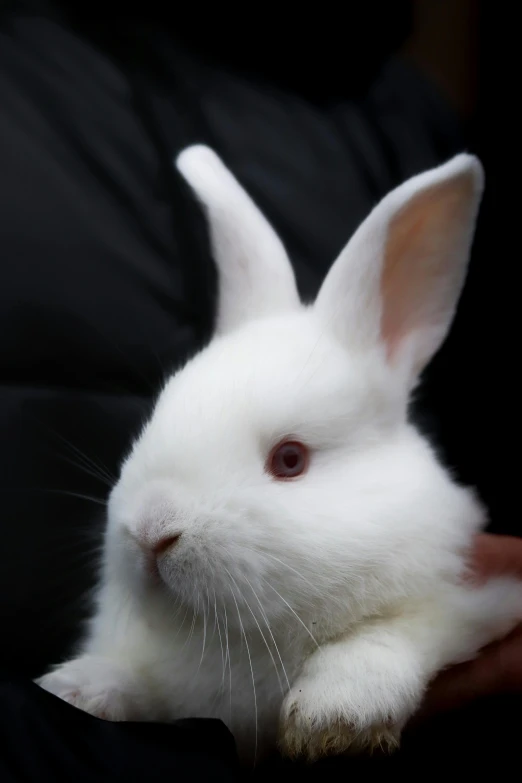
(205, 577)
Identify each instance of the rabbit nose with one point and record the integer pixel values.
(160, 547)
(154, 547)
(152, 551)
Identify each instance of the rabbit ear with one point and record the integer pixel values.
(397, 282)
(255, 275)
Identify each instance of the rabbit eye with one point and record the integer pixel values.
(288, 459)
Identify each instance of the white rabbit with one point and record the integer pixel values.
(283, 549)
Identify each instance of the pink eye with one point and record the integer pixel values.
(288, 460)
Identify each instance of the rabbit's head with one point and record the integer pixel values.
(278, 472)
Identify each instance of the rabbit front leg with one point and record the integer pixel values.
(100, 686)
(111, 677)
(356, 693)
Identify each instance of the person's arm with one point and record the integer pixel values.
(43, 738)
(498, 669)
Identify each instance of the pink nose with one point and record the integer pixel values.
(159, 547)
(152, 550)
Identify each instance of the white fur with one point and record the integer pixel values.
(322, 605)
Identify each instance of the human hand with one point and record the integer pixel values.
(498, 668)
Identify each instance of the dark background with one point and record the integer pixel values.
(105, 279)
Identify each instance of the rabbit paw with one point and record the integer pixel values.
(307, 735)
(95, 685)
(350, 699)
(308, 731)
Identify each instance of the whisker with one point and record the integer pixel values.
(191, 631)
(290, 568)
(312, 352)
(88, 471)
(251, 670)
(308, 631)
(209, 610)
(259, 628)
(227, 656)
(68, 493)
(216, 622)
(88, 461)
(204, 638)
(265, 618)
(182, 624)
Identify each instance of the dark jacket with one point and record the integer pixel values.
(106, 283)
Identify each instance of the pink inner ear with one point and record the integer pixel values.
(420, 270)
